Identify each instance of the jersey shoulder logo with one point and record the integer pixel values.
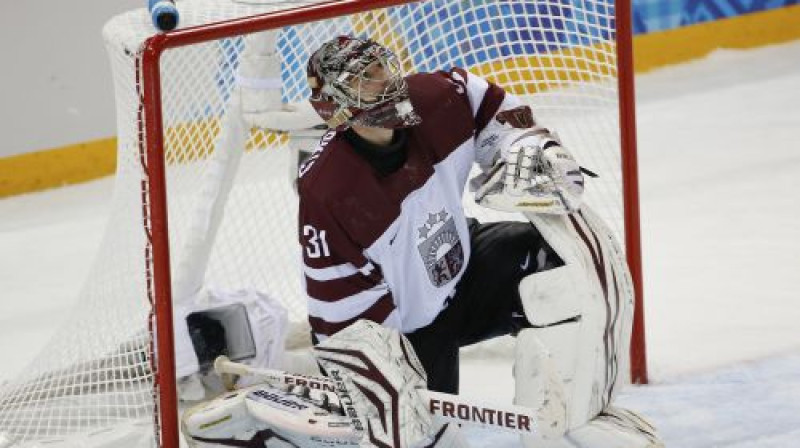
(440, 248)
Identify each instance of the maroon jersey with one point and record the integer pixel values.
(391, 248)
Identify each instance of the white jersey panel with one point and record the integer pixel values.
(424, 252)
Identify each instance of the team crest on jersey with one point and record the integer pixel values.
(440, 248)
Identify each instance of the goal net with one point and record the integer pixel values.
(222, 108)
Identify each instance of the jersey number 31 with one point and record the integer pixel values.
(317, 244)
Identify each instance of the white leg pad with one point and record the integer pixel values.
(382, 375)
(613, 428)
(570, 326)
(538, 386)
(581, 312)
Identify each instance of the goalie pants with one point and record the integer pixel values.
(486, 303)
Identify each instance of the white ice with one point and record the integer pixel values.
(719, 147)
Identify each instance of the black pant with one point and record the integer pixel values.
(486, 299)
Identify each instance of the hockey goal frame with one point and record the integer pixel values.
(154, 188)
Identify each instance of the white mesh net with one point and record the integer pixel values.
(232, 207)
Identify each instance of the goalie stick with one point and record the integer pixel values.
(445, 408)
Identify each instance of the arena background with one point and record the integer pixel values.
(57, 113)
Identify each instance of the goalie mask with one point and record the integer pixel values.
(356, 81)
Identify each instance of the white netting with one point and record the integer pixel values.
(558, 54)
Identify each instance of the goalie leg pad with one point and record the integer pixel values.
(538, 386)
(582, 312)
(613, 428)
(569, 332)
(377, 368)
